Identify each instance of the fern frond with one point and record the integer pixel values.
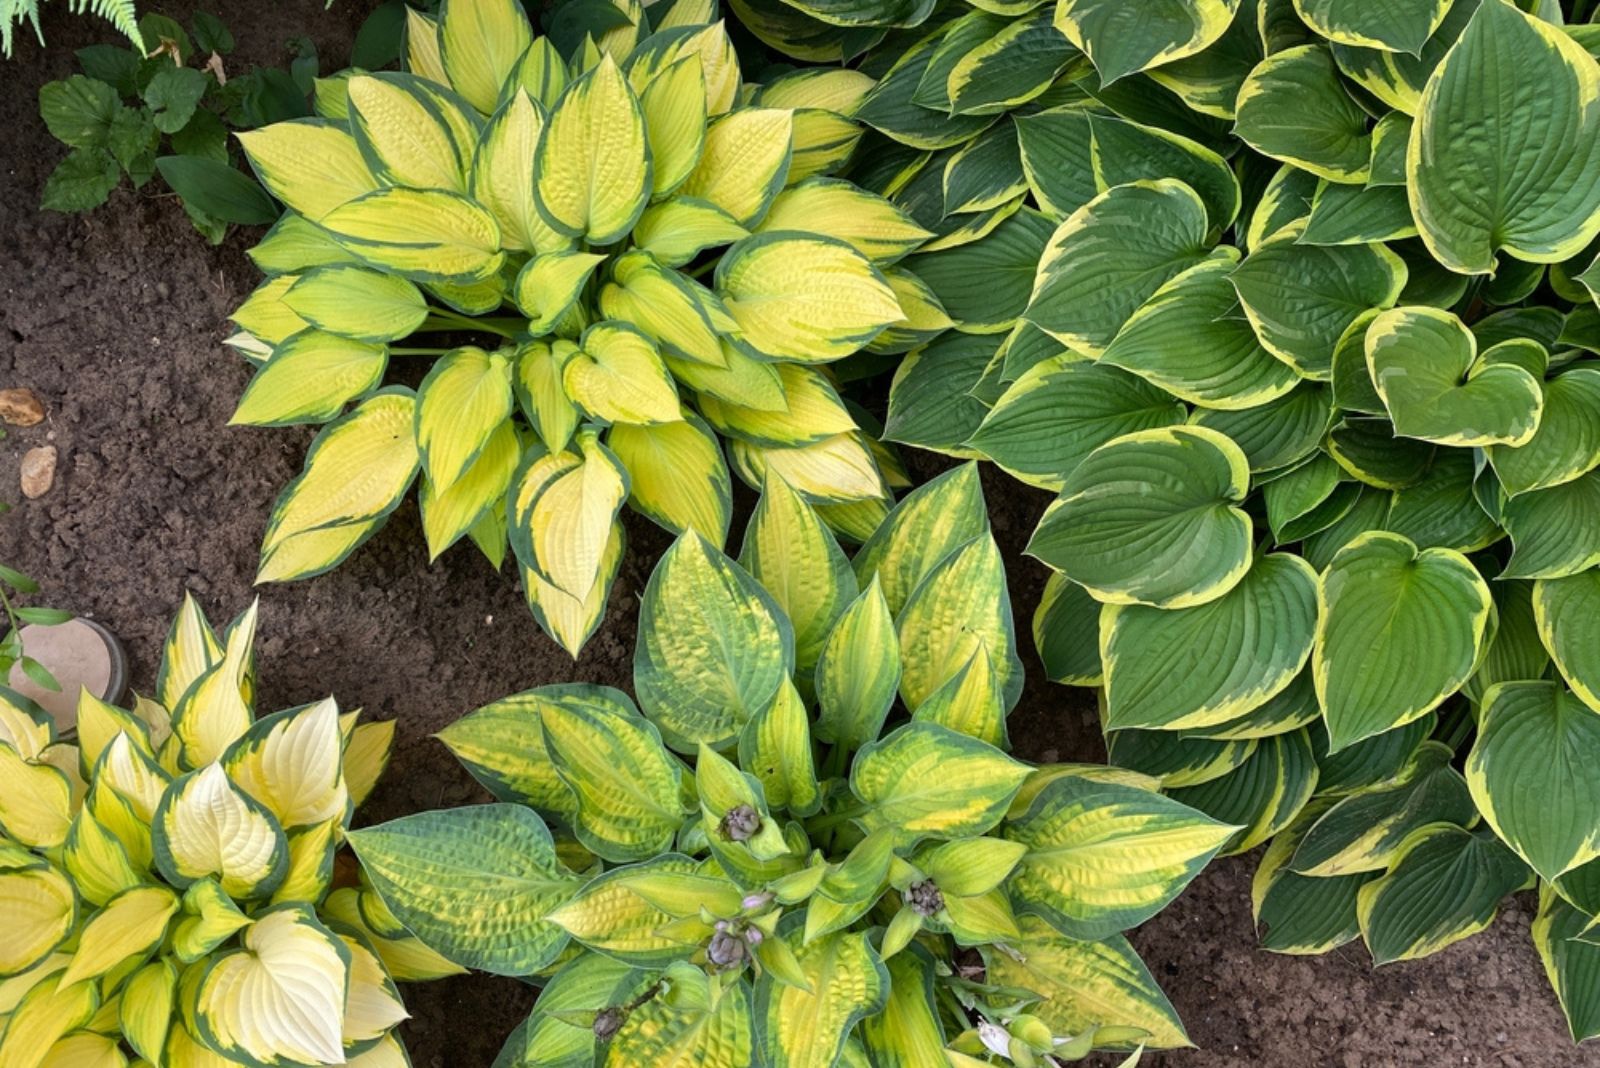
(120, 13)
(12, 12)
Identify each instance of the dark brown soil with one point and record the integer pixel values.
(116, 320)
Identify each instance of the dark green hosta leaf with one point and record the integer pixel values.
(1566, 444)
(891, 107)
(1307, 496)
(986, 172)
(1445, 884)
(1152, 518)
(172, 96)
(1066, 632)
(1294, 107)
(1263, 795)
(1573, 966)
(1278, 433)
(1531, 774)
(1354, 215)
(81, 181)
(1207, 665)
(1497, 167)
(1012, 67)
(1442, 510)
(1400, 632)
(1301, 298)
(1191, 339)
(1302, 914)
(1285, 200)
(79, 110)
(984, 284)
(1369, 449)
(1291, 708)
(1122, 39)
(1556, 531)
(930, 402)
(1370, 761)
(1567, 614)
(218, 190)
(1426, 366)
(1516, 651)
(1110, 256)
(1209, 81)
(1175, 758)
(1391, 25)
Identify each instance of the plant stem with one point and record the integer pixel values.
(417, 352)
(444, 319)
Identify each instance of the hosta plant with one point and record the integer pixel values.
(646, 258)
(163, 876)
(1306, 347)
(772, 860)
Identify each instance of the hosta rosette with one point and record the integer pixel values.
(1293, 308)
(655, 262)
(769, 859)
(166, 876)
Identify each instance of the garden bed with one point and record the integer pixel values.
(116, 320)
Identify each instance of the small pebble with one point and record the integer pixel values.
(38, 471)
(21, 407)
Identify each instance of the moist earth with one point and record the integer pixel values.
(116, 319)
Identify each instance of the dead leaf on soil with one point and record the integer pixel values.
(21, 407)
(38, 471)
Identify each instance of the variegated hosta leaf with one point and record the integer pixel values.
(133, 922)
(677, 475)
(480, 44)
(312, 165)
(806, 1027)
(35, 801)
(1302, 914)
(908, 1032)
(923, 780)
(291, 763)
(1400, 631)
(1263, 795)
(1292, 107)
(1565, 611)
(610, 916)
(592, 170)
(563, 509)
(207, 826)
(960, 607)
(858, 671)
(1570, 964)
(697, 1021)
(477, 884)
(407, 129)
(1122, 41)
(502, 745)
(1152, 517)
(310, 377)
(1104, 857)
(589, 982)
(465, 396)
(927, 525)
(1566, 445)
(426, 235)
(215, 711)
(42, 909)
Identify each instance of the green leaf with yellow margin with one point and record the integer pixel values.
(1122, 41)
(858, 671)
(1294, 108)
(1392, 26)
(927, 525)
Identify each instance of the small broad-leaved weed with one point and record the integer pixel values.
(652, 252)
(772, 860)
(162, 878)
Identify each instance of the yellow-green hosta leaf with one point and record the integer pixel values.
(713, 646)
(207, 826)
(923, 780)
(97, 860)
(1110, 256)
(1400, 630)
(502, 175)
(427, 235)
(776, 746)
(700, 1022)
(1492, 168)
(41, 911)
(1403, 26)
(310, 870)
(357, 303)
(366, 754)
(422, 47)
(625, 783)
(128, 787)
(99, 724)
(295, 243)
(35, 801)
(479, 490)
(216, 710)
(675, 230)
(1437, 386)
(928, 524)
(592, 167)
(1121, 40)
(1527, 774)
(132, 923)
(85, 1049)
(279, 999)
(502, 745)
(309, 378)
(265, 316)
(617, 376)
(24, 726)
(1103, 857)
(807, 1027)
(677, 475)
(1212, 663)
(145, 1011)
(908, 1032)
(210, 919)
(548, 284)
(970, 701)
(868, 223)
(1566, 445)
(606, 915)
(291, 762)
(405, 958)
(540, 394)
(312, 165)
(812, 411)
(465, 397)
(47, 1012)
(1087, 985)
(801, 298)
(674, 108)
(1152, 518)
(1293, 107)
(681, 315)
(400, 122)
(572, 620)
(553, 1035)
(372, 1004)
(1444, 884)
(480, 42)
(837, 470)
(743, 163)
(858, 670)
(477, 883)
(958, 608)
(563, 511)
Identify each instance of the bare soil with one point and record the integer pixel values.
(117, 318)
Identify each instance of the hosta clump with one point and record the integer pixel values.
(163, 878)
(1301, 329)
(655, 254)
(777, 863)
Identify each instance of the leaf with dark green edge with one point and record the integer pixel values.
(1369, 511)
(1554, 532)
(1357, 215)
(1566, 612)
(986, 172)
(1297, 492)
(1530, 774)
(1403, 26)
(1437, 386)
(1058, 412)
(984, 285)
(806, 1026)
(80, 182)
(930, 400)
(1015, 65)
(1445, 884)
(1210, 664)
(1192, 340)
(1103, 857)
(474, 884)
(1427, 281)
(927, 781)
(1516, 650)
(1278, 433)
(1400, 631)
(1442, 511)
(701, 1023)
(891, 109)
(959, 609)
(928, 524)
(1209, 81)
(1066, 633)
(713, 646)
(1153, 518)
(1291, 708)
(858, 672)
(219, 190)
(1300, 914)
(1572, 966)
(1362, 831)
(1368, 448)
(1301, 298)
(1263, 795)
(1110, 256)
(1353, 390)
(549, 1037)
(172, 96)
(1473, 132)
(502, 746)
(1370, 761)
(1566, 445)
(1293, 107)
(1121, 41)
(79, 111)
(1176, 759)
